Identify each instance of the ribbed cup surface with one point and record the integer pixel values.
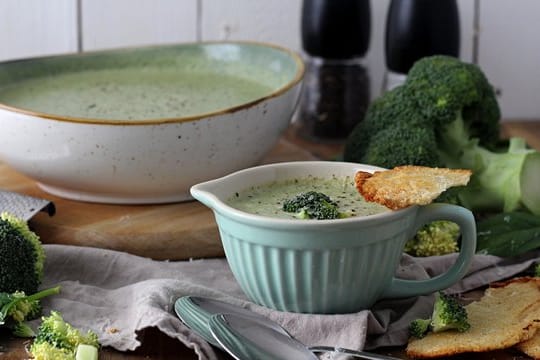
(312, 280)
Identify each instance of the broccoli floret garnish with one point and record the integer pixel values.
(57, 339)
(448, 314)
(312, 205)
(17, 308)
(446, 114)
(436, 238)
(21, 256)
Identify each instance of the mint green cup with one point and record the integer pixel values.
(325, 266)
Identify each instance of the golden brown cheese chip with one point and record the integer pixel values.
(408, 185)
(531, 347)
(507, 314)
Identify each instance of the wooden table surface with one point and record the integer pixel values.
(157, 346)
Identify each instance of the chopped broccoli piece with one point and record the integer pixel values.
(446, 114)
(22, 330)
(537, 270)
(312, 205)
(56, 337)
(46, 351)
(436, 238)
(21, 256)
(17, 308)
(447, 314)
(418, 328)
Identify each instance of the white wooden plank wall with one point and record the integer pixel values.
(508, 48)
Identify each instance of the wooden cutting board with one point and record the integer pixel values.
(172, 231)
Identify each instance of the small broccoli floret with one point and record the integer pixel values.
(56, 337)
(312, 205)
(418, 328)
(21, 256)
(436, 238)
(17, 308)
(537, 270)
(448, 314)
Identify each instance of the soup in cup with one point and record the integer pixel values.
(337, 265)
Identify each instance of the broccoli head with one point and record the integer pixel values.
(312, 205)
(447, 314)
(446, 114)
(56, 337)
(436, 238)
(445, 88)
(21, 256)
(381, 123)
(414, 147)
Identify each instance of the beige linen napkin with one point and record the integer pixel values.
(117, 294)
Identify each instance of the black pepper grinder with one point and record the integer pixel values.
(335, 38)
(415, 29)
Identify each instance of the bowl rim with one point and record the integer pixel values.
(222, 208)
(298, 76)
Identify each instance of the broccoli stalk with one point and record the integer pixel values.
(504, 180)
(312, 205)
(17, 308)
(448, 314)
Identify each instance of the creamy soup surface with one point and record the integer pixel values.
(131, 93)
(267, 199)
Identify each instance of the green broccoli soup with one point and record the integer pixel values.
(273, 199)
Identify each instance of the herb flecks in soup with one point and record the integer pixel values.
(268, 199)
(131, 93)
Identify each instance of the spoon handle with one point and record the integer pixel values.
(354, 353)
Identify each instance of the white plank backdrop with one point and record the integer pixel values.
(508, 51)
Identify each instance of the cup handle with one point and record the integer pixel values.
(464, 218)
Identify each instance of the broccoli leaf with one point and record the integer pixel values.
(508, 234)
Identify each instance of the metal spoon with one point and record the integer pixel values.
(245, 339)
(196, 312)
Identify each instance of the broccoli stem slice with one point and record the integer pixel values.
(86, 352)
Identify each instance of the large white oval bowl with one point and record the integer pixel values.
(242, 99)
